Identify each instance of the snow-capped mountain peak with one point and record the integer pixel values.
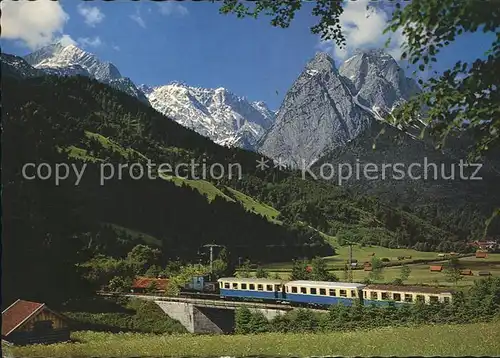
(217, 113)
(70, 60)
(71, 55)
(145, 89)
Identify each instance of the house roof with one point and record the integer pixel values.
(18, 313)
(145, 282)
(436, 268)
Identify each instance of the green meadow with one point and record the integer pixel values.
(481, 339)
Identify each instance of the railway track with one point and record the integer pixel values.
(202, 295)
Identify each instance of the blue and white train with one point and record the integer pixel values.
(322, 293)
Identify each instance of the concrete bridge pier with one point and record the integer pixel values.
(208, 319)
(199, 319)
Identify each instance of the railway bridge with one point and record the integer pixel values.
(210, 315)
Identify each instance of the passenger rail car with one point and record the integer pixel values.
(383, 294)
(251, 288)
(322, 293)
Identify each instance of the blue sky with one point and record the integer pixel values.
(191, 42)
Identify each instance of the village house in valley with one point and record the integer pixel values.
(26, 322)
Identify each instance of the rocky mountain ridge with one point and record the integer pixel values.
(60, 60)
(218, 114)
(326, 107)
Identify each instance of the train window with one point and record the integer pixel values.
(408, 297)
(331, 292)
(420, 298)
(385, 296)
(278, 288)
(294, 289)
(313, 291)
(260, 287)
(243, 286)
(433, 299)
(226, 284)
(343, 293)
(269, 287)
(322, 291)
(251, 286)
(353, 293)
(365, 294)
(235, 286)
(396, 296)
(446, 299)
(374, 295)
(303, 290)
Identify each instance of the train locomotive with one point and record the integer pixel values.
(322, 293)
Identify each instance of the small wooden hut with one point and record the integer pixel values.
(481, 255)
(26, 322)
(436, 268)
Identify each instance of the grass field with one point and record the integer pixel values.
(211, 191)
(109, 144)
(420, 273)
(254, 206)
(80, 153)
(437, 340)
(204, 187)
(363, 254)
(148, 239)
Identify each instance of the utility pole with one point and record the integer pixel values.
(211, 246)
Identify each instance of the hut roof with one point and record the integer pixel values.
(18, 313)
(484, 273)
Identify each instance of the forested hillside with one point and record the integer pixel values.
(50, 228)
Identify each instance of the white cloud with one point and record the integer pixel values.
(91, 14)
(66, 40)
(35, 23)
(138, 19)
(171, 8)
(90, 42)
(363, 26)
(116, 47)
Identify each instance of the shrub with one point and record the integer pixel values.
(397, 281)
(134, 316)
